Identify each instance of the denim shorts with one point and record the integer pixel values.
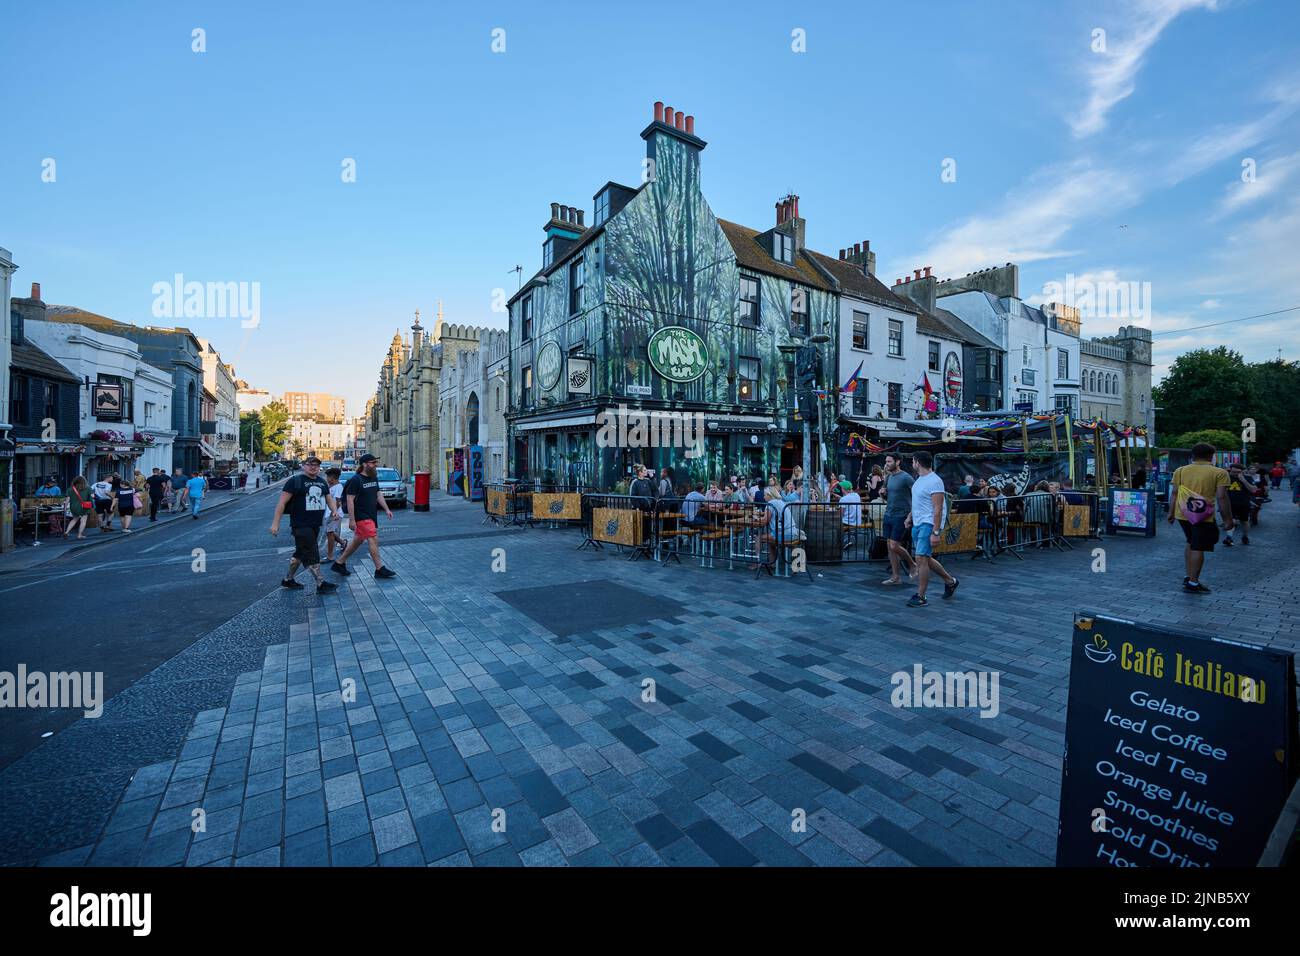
(921, 539)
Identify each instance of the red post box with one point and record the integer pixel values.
(421, 491)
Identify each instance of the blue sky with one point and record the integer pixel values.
(1118, 164)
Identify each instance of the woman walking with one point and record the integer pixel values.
(80, 505)
(126, 501)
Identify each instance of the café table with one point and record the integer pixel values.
(743, 528)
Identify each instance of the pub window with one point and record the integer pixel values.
(52, 400)
(862, 331)
(799, 310)
(577, 276)
(862, 397)
(895, 337)
(895, 400)
(528, 382)
(783, 247)
(18, 399)
(1062, 363)
(748, 369)
(526, 318)
(934, 356)
(749, 300)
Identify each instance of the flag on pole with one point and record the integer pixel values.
(851, 386)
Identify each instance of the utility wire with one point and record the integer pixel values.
(1262, 315)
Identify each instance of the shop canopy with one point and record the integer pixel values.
(889, 434)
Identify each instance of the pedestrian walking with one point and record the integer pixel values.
(306, 496)
(363, 502)
(178, 490)
(1196, 490)
(195, 489)
(898, 505)
(156, 485)
(126, 501)
(80, 505)
(104, 493)
(927, 519)
(334, 536)
(1241, 493)
(1277, 473)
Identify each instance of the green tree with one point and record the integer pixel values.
(1220, 439)
(1276, 386)
(1205, 388)
(275, 427)
(250, 433)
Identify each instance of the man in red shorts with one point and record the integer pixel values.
(363, 498)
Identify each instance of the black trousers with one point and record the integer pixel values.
(154, 502)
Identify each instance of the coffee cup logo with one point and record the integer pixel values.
(1099, 650)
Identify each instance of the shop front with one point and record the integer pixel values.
(34, 461)
(105, 459)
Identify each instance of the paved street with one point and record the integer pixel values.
(499, 719)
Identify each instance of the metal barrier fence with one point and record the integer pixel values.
(624, 522)
(509, 503)
(1038, 519)
(557, 506)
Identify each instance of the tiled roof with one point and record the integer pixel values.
(31, 358)
(750, 254)
(856, 282)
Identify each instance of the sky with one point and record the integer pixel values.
(1149, 146)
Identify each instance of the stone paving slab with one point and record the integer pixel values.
(436, 719)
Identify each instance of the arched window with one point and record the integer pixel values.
(192, 411)
(471, 418)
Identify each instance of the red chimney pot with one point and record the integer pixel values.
(690, 125)
(659, 111)
(668, 115)
(36, 290)
(681, 121)
(927, 272)
(916, 274)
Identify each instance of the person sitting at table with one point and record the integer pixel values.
(756, 489)
(51, 490)
(850, 508)
(790, 492)
(773, 489)
(781, 527)
(714, 493)
(1071, 496)
(967, 487)
(691, 506)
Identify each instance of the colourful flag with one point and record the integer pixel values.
(851, 386)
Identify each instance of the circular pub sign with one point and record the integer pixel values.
(548, 366)
(678, 354)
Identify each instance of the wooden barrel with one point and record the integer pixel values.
(825, 541)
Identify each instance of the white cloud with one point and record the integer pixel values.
(1112, 74)
(1270, 176)
(1210, 304)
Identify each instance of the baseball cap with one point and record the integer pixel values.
(311, 460)
(367, 458)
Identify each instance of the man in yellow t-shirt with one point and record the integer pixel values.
(1196, 490)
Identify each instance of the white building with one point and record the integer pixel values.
(326, 440)
(472, 397)
(219, 379)
(7, 269)
(145, 415)
(252, 399)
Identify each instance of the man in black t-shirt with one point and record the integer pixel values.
(157, 483)
(307, 496)
(363, 499)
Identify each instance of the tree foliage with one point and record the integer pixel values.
(1220, 439)
(1217, 389)
(275, 427)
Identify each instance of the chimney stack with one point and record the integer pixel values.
(659, 111)
(555, 210)
(841, 253)
(582, 212)
(927, 272)
(36, 291)
(916, 274)
(690, 125)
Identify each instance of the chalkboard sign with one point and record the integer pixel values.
(1179, 749)
(1131, 509)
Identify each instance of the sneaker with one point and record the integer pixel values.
(1245, 540)
(917, 601)
(326, 586)
(384, 572)
(950, 589)
(1197, 588)
(1201, 589)
(126, 530)
(1227, 542)
(339, 568)
(291, 584)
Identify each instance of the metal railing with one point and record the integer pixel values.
(508, 502)
(623, 522)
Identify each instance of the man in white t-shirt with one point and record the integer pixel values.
(851, 507)
(335, 523)
(928, 517)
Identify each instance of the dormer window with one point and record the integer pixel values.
(548, 254)
(783, 247)
(602, 208)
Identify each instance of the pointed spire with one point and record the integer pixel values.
(437, 328)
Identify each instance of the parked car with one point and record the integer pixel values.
(391, 486)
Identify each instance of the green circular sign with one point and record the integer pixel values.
(678, 354)
(548, 366)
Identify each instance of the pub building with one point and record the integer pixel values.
(44, 407)
(659, 306)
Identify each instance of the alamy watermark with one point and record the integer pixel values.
(70, 689)
(1102, 298)
(922, 688)
(620, 428)
(208, 300)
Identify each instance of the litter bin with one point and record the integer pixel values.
(421, 491)
(824, 538)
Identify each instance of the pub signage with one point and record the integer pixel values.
(106, 402)
(678, 354)
(548, 366)
(1179, 749)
